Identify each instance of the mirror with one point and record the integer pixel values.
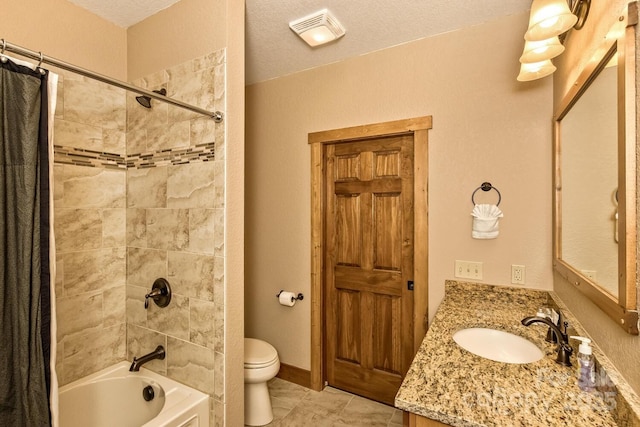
(589, 166)
(594, 181)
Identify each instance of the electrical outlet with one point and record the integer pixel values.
(468, 270)
(517, 274)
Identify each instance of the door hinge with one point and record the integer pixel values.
(410, 285)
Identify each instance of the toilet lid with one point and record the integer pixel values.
(258, 353)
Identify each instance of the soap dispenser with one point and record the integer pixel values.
(586, 372)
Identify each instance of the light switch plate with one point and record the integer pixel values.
(468, 270)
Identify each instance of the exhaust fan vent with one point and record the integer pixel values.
(318, 28)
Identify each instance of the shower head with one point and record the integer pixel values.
(145, 101)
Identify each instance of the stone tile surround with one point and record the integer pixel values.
(139, 194)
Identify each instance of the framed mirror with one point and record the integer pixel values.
(595, 180)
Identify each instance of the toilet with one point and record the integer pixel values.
(261, 364)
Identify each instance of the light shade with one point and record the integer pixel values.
(536, 51)
(318, 28)
(536, 70)
(549, 18)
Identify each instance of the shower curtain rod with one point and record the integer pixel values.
(217, 116)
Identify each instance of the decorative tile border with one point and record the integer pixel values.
(90, 158)
(174, 156)
(100, 159)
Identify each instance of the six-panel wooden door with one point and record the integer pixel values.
(369, 264)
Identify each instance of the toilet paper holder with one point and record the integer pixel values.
(299, 297)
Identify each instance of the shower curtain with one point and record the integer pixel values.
(27, 369)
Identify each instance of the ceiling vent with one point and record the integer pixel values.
(318, 28)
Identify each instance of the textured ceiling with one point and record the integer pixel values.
(124, 13)
(273, 50)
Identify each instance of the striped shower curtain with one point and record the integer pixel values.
(28, 385)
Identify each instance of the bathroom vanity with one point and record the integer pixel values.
(447, 385)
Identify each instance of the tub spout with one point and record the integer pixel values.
(158, 353)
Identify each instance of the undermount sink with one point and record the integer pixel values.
(498, 345)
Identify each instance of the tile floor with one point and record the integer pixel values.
(294, 406)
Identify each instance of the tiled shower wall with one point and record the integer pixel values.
(89, 223)
(156, 211)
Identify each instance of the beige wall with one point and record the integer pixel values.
(67, 32)
(234, 216)
(186, 30)
(486, 127)
(620, 347)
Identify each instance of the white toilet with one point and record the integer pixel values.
(261, 363)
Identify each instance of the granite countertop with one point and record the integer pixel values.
(451, 385)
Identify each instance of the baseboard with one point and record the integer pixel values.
(295, 375)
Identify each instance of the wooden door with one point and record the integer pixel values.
(369, 263)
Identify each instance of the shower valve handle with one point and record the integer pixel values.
(160, 294)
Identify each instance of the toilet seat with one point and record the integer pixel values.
(258, 354)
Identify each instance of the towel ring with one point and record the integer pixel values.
(486, 186)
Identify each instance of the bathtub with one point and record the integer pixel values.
(117, 397)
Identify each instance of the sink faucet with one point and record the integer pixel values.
(564, 349)
(158, 353)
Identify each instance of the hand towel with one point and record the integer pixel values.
(485, 221)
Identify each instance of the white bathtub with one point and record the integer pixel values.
(114, 397)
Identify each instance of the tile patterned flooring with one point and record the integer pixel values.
(294, 406)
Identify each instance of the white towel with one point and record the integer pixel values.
(485, 221)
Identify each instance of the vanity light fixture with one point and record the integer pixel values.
(535, 70)
(536, 51)
(549, 22)
(318, 28)
(549, 18)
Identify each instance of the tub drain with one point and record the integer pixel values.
(148, 393)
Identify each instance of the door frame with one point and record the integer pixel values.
(417, 127)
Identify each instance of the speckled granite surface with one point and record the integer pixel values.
(451, 385)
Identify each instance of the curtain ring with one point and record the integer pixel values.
(39, 67)
(3, 58)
